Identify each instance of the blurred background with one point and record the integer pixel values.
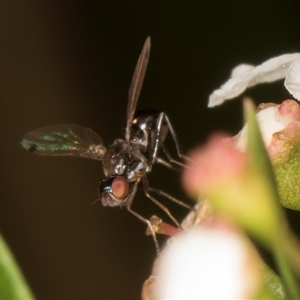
(72, 62)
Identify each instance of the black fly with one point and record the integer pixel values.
(127, 161)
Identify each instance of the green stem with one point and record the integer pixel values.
(291, 246)
(286, 273)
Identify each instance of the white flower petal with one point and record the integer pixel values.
(240, 70)
(244, 76)
(203, 264)
(292, 81)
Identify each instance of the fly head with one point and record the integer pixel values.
(114, 191)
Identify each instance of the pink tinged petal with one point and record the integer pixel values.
(273, 120)
(289, 109)
(244, 76)
(284, 142)
(269, 123)
(292, 81)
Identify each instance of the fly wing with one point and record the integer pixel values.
(136, 84)
(64, 140)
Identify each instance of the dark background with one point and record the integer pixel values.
(72, 62)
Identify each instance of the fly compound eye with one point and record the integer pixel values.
(113, 191)
(120, 187)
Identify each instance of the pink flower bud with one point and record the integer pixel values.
(222, 174)
(219, 160)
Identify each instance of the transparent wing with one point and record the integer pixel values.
(136, 84)
(64, 140)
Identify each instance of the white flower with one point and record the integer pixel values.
(205, 264)
(243, 76)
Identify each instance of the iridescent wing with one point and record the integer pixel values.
(136, 85)
(64, 140)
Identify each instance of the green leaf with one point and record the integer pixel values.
(12, 282)
(257, 151)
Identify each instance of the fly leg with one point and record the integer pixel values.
(164, 208)
(166, 163)
(164, 118)
(171, 159)
(170, 197)
(141, 218)
(175, 138)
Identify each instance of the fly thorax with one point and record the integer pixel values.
(148, 130)
(139, 135)
(138, 166)
(125, 159)
(116, 159)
